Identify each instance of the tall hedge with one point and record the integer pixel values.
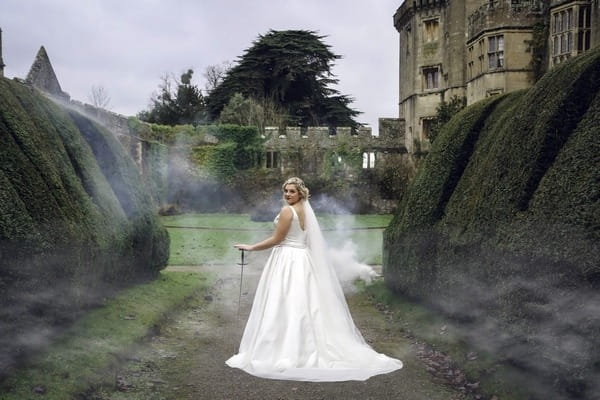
(501, 226)
(75, 219)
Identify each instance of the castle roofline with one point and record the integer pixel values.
(407, 10)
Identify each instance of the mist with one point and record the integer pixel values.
(539, 325)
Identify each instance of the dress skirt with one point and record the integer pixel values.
(299, 327)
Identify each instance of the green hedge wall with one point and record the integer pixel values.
(501, 226)
(75, 222)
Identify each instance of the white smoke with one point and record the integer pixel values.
(347, 267)
(342, 249)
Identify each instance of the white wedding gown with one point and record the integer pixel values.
(300, 327)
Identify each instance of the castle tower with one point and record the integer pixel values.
(470, 49)
(1, 62)
(42, 76)
(500, 37)
(431, 58)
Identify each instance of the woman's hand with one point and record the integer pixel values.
(281, 230)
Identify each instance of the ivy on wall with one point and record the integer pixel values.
(343, 161)
(538, 46)
(184, 162)
(245, 145)
(444, 112)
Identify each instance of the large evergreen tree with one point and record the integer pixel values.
(291, 69)
(175, 106)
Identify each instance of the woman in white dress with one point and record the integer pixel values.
(300, 327)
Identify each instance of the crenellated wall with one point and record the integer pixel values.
(305, 149)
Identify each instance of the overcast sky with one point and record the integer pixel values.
(126, 46)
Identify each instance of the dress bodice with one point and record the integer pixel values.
(296, 237)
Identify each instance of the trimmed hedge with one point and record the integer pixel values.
(75, 222)
(501, 226)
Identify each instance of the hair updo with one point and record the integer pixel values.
(300, 186)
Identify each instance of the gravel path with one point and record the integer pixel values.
(186, 360)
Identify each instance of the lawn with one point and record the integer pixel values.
(90, 351)
(209, 238)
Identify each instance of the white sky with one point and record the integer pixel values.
(126, 46)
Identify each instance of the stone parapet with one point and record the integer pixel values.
(391, 136)
(407, 10)
(116, 123)
(504, 14)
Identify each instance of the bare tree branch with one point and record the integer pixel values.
(99, 97)
(214, 74)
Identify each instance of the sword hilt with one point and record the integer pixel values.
(242, 263)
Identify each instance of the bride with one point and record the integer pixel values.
(300, 327)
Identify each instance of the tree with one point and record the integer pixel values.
(183, 105)
(214, 74)
(98, 97)
(291, 69)
(249, 112)
(445, 111)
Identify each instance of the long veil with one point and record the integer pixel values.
(342, 259)
(327, 275)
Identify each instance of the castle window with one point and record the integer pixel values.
(493, 92)
(584, 17)
(431, 30)
(496, 51)
(570, 32)
(427, 124)
(470, 64)
(368, 160)
(431, 78)
(584, 29)
(481, 57)
(273, 159)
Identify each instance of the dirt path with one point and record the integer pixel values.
(186, 360)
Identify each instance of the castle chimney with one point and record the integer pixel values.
(1, 62)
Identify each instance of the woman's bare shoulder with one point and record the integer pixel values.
(286, 211)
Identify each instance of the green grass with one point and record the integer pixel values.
(86, 354)
(214, 246)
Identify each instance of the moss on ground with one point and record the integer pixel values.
(89, 352)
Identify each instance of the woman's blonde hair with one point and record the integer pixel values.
(299, 183)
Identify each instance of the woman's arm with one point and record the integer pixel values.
(281, 230)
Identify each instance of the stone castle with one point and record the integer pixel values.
(478, 48)
(469, 49)
(289, 150)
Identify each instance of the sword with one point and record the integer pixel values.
(241, 264)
